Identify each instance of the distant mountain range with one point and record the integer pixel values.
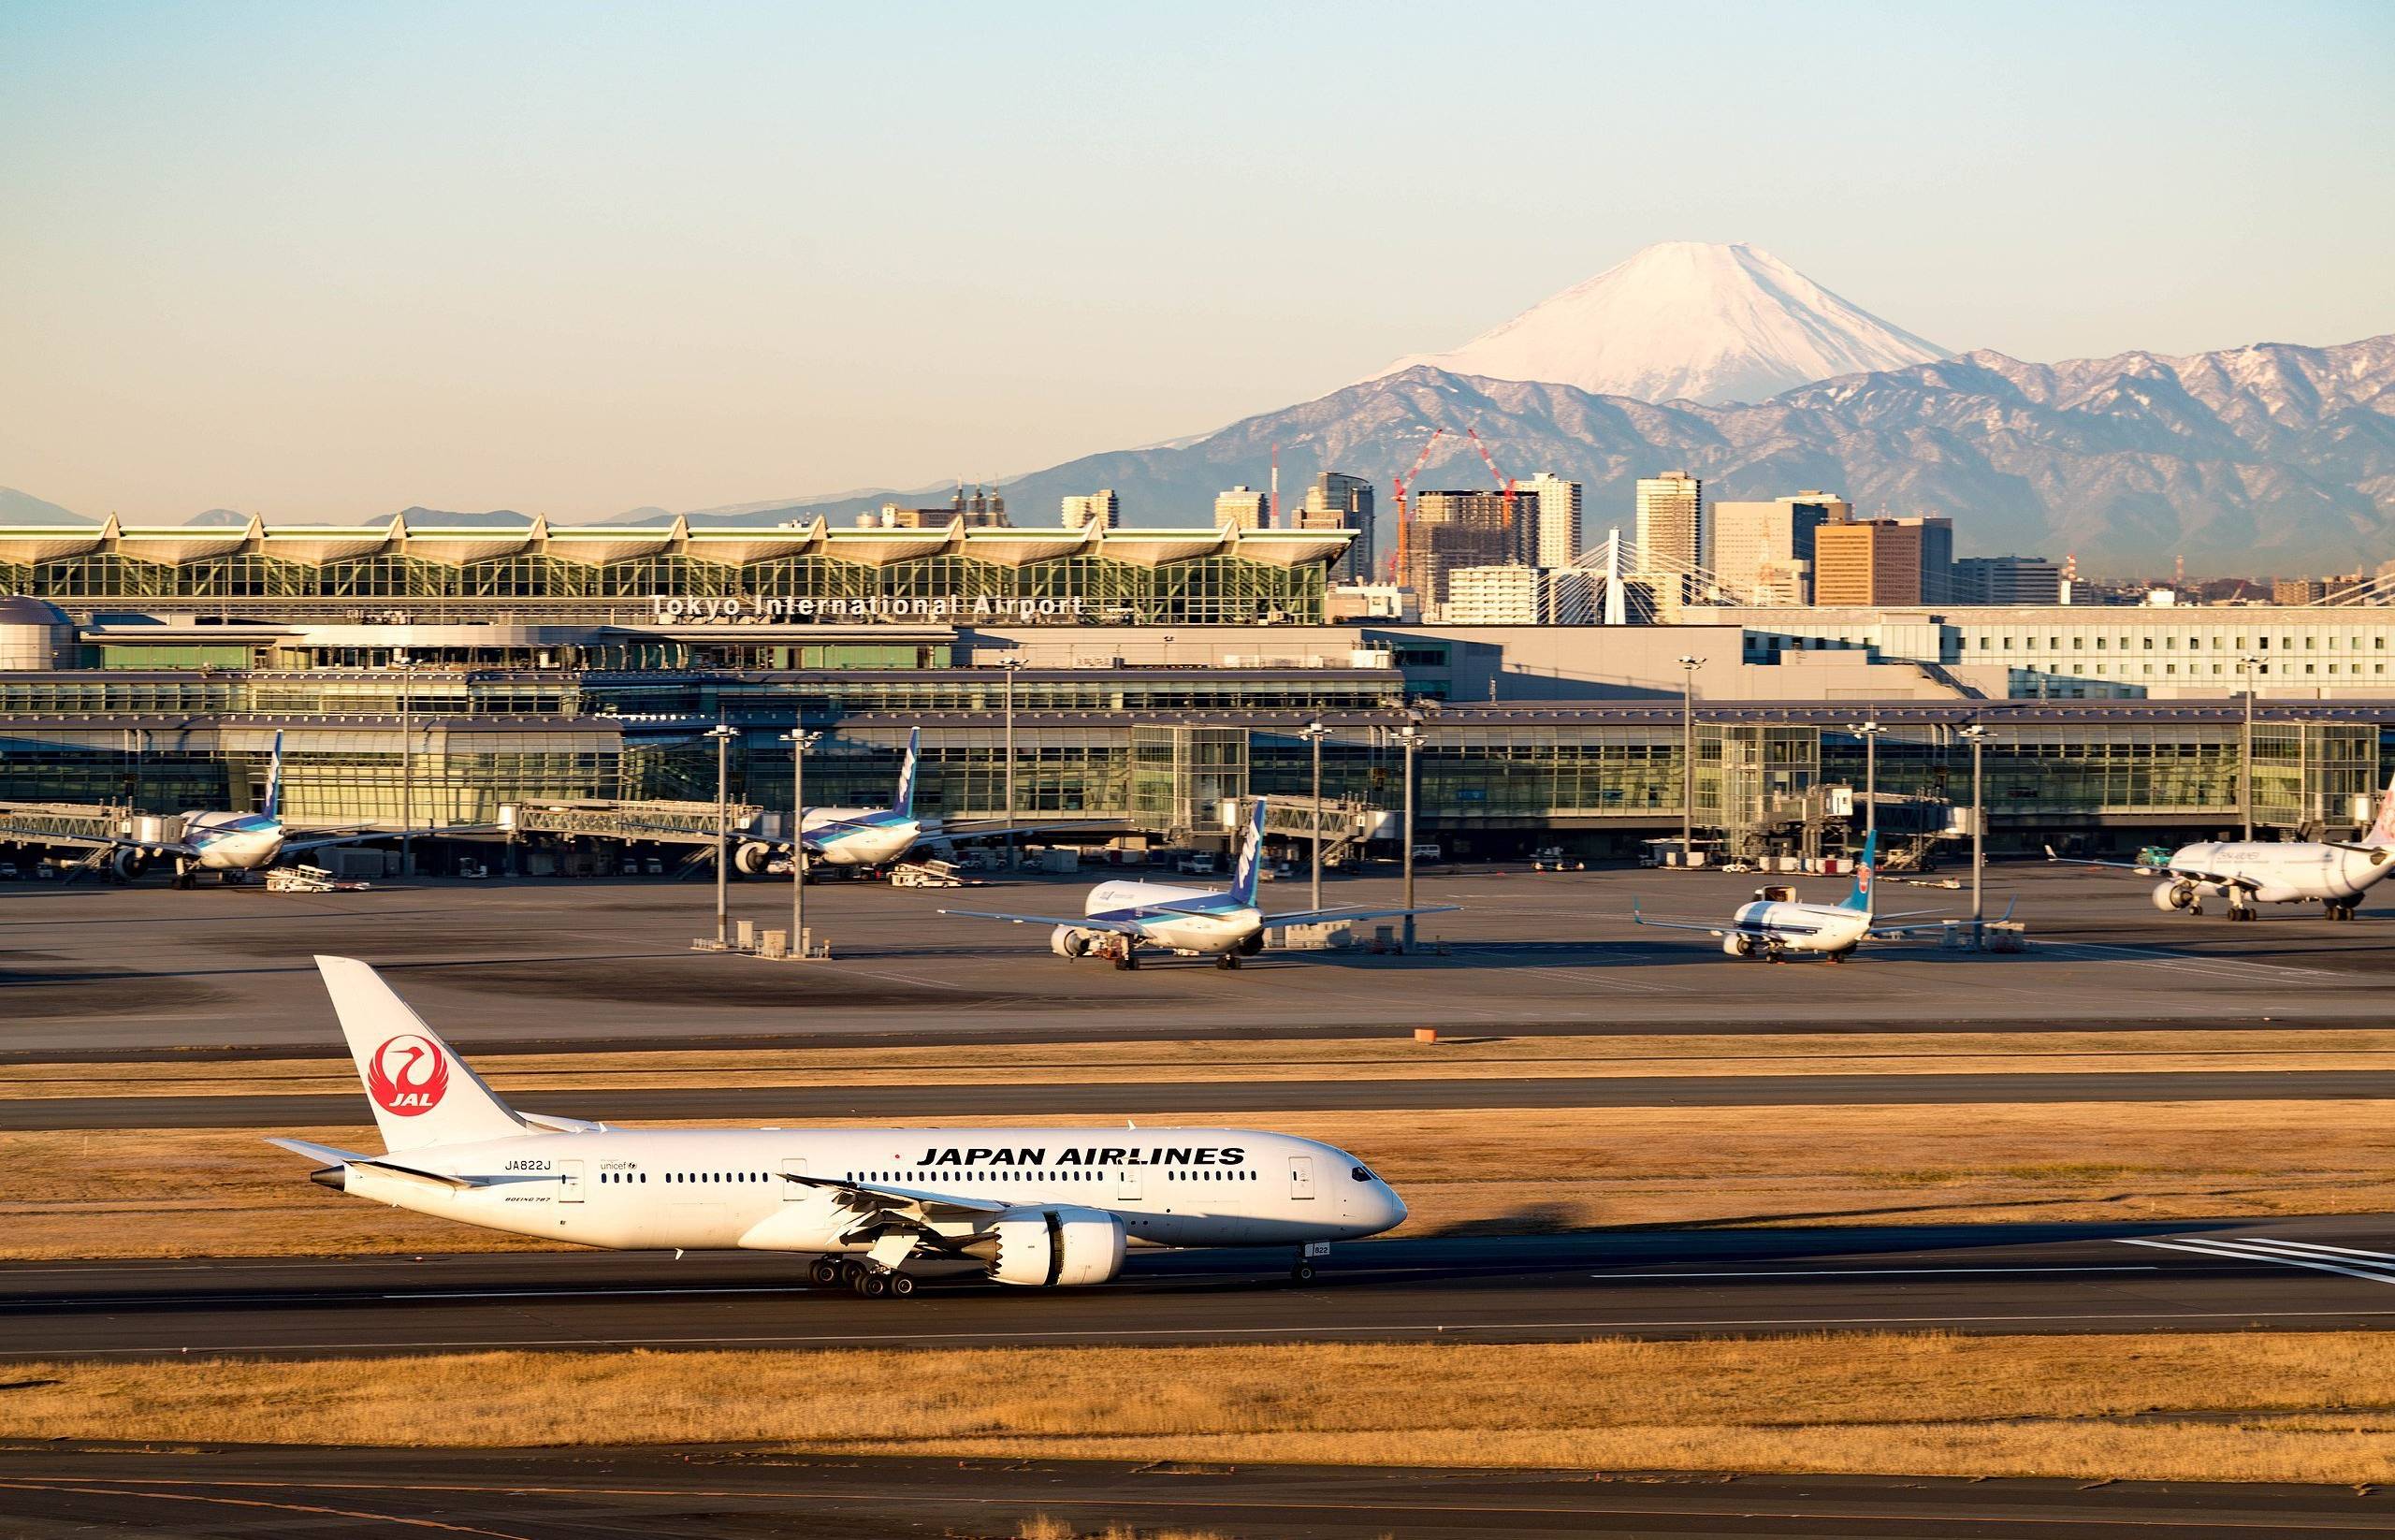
(2266, 459)
(1687, 321)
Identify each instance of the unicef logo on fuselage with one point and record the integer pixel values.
(407, 1075)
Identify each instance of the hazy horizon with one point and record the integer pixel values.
(323, 263)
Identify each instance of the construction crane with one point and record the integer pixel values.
(1504, 482)
(1404, 515)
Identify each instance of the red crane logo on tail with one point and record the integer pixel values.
(407, 1075)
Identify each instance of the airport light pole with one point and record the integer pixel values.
(1869, 733)
(798, 738)
(2245, 760)
(1012, 665)
(1978, 735)
(722, 734)
(1688, 758)
(1410, 736)
(407, 767)
(1313, 732)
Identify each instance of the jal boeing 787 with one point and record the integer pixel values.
(1038, 1207)
(2334, 874)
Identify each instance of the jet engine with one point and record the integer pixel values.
(750, 859)
(2174, 896)
(1053, 1248)
(1065, 941)
(1738, 946)
(129, 863)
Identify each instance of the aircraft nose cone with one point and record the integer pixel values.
(1392, 1207)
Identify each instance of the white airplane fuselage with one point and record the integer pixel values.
(860, 837)
(232, 842)
(1225, 925)
(656, 1189)
(1785, 925)
(2293, 872)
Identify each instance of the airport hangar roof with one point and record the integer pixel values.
(603, 545)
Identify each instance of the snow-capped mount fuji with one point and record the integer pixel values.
(1687, 320)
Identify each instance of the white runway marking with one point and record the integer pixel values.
(1870, 1272)
(2218, 968)
(2265, 1251)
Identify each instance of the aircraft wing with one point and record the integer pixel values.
(902, 1203)
(2189, 874)
(320, 841)
(1329, 916)
(948, 833)
(1078, 922)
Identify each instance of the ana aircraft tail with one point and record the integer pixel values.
(422, 1092)
(1865, 868)
(1251, 855)
(2383, 832)
(904, 803)
(274, 779)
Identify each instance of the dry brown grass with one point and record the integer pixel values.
(223, 1191)
(1041, 1527)
(2226, 1406)
(1395, 1058)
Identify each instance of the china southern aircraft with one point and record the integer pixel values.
(1119, 918)
(1777, 922)
(230, 844)
(1040, 1207)
(2334, 874)
(875, 837)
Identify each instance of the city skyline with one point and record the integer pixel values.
(323, 264)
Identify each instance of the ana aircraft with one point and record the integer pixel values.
(2334, 874)
(230, 844)
(1777, 922)
(1038, 1207)
(875, 837)
(1119, 918)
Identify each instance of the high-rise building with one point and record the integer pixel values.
(1453, 529)
(1884, 561)
(1554, 517)
(1762, 552)
(1670, 523)
(1518, 595)
(2298, 590)
(1100, 510)
(2007, 581)
(1337, 500)
(1242, 508)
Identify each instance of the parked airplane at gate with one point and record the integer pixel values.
(1039, 1207)
(1119, 918)
(1777, 922)
(875, 837)
(231, 844)
(2334, 874)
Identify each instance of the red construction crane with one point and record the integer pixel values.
(1504, 482)
(1404, 515)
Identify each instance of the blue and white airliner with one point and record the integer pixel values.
(1121, 917)
(230, 844)
(1777, 922)
(876, 837)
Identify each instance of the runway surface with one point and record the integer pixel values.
(571, 1494)
(742, 1104)
(2313, 1273)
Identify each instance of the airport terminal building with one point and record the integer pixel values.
(430, 679)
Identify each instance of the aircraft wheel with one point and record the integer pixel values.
(901, 1286)
(1227, 960)
(872, 1285)
(824, 1272)
(1301, 1272)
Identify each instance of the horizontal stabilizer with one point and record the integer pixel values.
(324, 1154)
(562, 1124)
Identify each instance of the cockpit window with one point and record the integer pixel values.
(1361, 1174)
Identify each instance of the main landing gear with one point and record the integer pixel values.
(861, 1278)
(1227, 960)
(2243, 911)
(2340, 910)
(1123, 952)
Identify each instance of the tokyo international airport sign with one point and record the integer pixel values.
(668, 610)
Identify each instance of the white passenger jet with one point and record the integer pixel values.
(1119, 918)
(875, 837)
(2334, 874)
(1777, 922)
(1041, 1207)
(230, 844)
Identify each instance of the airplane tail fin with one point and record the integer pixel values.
(904, 803)
(1250, 856)
(2383, 832)
(1866, 868)
(274, 779)
(422, 1093)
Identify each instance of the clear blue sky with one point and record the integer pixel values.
(324, 260)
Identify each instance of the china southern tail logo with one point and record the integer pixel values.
(406, 1076)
